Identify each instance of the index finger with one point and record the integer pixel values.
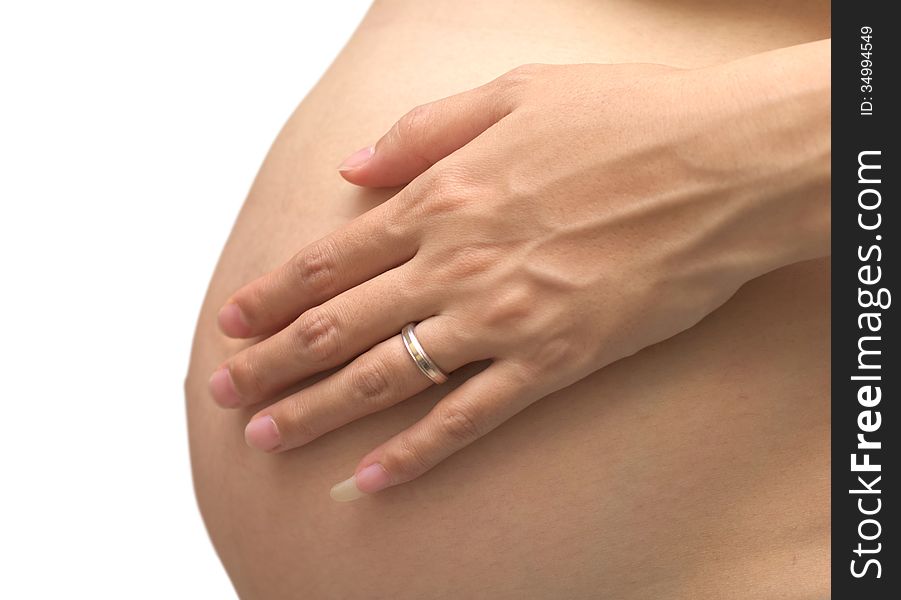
(371, 244)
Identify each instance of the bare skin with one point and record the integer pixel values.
(693, 467)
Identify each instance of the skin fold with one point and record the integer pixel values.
(696, 467)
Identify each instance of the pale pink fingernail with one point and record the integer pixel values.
(232, 320)
(262, 434)
(357, 159)
(368, 481)
(222, 388)
(372, 479)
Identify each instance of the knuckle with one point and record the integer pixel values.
(409, 460)
(558, 351)
(318, 336)
(411, 129)
(297, 422)
(395, 221)
(446, 193)
(511, 306)
(528, 70)
(458, 424)
(514, 81)
(253, 303)
(462, 263)
(415, 120)
(370, 381)
(316, 267)
(247, 377)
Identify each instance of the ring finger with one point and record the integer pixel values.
(376, 380)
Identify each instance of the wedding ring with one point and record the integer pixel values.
(419, 355)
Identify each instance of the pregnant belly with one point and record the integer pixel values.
(696, 468)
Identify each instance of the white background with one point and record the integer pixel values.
(129, 135)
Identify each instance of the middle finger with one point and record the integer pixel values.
(321, 338)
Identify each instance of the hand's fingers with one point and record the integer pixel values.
(378, 379)
(322, 337)
(469, 412)
(427, 134)
(354, 253)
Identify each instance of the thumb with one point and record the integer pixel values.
(425, 135)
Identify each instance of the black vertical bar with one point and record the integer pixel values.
(865, 272)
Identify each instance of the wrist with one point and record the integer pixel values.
(772, 115)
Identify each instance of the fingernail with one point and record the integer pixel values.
(262, 434)
(223, 389)
(232, 320)
(357, 159)
(368, 481)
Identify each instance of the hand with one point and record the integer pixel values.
(554, 220)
